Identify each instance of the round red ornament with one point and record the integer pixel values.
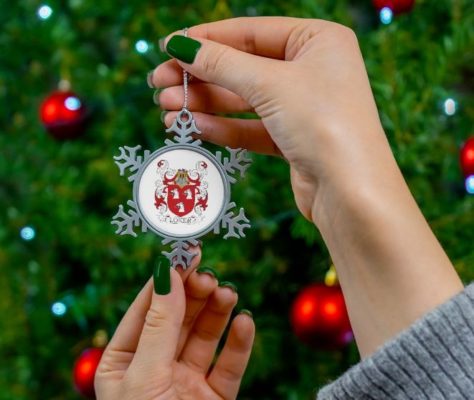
(466, 157)
(63, 114)
(397, 6)
(319, 317)
(84, 371)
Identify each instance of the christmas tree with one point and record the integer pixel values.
(66, 278)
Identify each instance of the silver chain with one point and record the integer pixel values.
(185, 78)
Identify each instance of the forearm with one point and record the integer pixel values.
(390, 265)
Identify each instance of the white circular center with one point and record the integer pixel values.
(181, 193)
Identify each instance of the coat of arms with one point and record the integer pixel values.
(181, 192)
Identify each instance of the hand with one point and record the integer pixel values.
(307, 82)
(165, 344)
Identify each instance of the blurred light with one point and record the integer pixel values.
(449, 107)
(330, 279)
(27, 233)
(141, 46)
(72, 103)
(59, 309)
(386, 15)
(470, 184)
(44, 12)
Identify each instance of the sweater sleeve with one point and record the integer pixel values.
(432, 359)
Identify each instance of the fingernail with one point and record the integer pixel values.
(156, 97)
(162, 276)
(161, 44)
(207, 270)
(149, 79)
(163, 116)
(183, 48)
(229, 285)
(246, 312)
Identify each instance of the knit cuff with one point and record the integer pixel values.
(432, 359)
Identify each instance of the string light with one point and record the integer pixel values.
(141, 46)
(27, 233)
(470, 184)
(72, 103)
(59, 309)
(386, 15)
(45, 11)
(449, 106)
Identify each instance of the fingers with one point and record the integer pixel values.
(202, 342)
(230, 366)
(119, 352)
(203, 97)
(157, 344)
(242, 73)
(233, 132)
(167, 74)
(184, 273)
(198, 288)
(252, 35)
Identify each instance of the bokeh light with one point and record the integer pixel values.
(386, 15)
(45, 11)
(27, 233)
(58, 309)
(141, 46)
(470, 184)
(449, 107)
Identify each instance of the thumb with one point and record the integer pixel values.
(159, 338)
(235, 70)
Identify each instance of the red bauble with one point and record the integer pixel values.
(467, 157)
(63, 115)
(84, 371)
(319, 317)
(397, 6)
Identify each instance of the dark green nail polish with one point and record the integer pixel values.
(156, 97)
(183, 48)
(162, 276)
(229, 285)
(246, 312)
(163, 116)
(149, 79)
(207, 270)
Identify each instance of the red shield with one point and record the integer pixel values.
(181, 199)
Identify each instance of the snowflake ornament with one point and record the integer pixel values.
(181, 191)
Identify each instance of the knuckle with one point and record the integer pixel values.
(155, 319)
(213, 63)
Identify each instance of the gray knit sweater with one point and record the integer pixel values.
(432, 359)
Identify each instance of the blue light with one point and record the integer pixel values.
(386, 15)
(141, 46)
(44, 12)
(449, 107)
(470, 184)
(59, 309)
(27, 233)
(72, 103)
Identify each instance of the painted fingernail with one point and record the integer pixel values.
(207, 270)
(149, 79)
(229, 285)
(156, 97)
(246, 312)
(183, 48)
(163, 116)
(162, 276)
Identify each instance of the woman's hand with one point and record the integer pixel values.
(304, 78)
(307, 82)
(165, 345)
